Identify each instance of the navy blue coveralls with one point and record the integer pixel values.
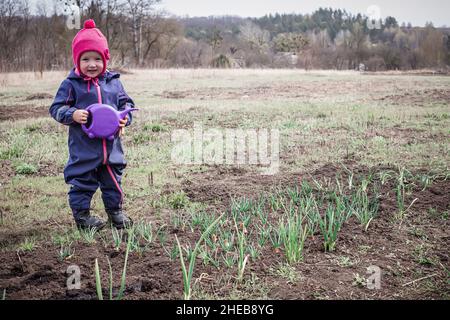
(94, 162)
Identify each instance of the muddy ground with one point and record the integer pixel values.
(413, 254)
(41, 275)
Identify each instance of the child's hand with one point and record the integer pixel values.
(80, 116)
(122, 124)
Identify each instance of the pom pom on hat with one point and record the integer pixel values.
(89, 24)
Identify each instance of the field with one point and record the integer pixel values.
(363, 182)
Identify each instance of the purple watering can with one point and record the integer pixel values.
(104, 120)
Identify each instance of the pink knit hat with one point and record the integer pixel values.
(90, 39)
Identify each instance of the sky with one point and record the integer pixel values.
(418, 12)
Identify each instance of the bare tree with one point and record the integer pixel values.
(343, 43)
(140, 36)
(138, 11)
(432, 46)
(253, 35)
(215, 41)
(161, 34)
(191, 53)
(14, 20)
(359, 44)
(42, 38)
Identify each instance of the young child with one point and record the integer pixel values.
(92, 162)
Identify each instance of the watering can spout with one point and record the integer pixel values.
(124, 113)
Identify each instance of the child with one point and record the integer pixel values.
(92, 162)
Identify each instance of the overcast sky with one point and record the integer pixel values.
(418, 12)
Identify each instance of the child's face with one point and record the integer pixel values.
(91, 64)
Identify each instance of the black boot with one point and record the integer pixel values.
(84, 220)
(118, 219)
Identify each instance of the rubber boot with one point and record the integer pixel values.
(84, 220)
(118, 219)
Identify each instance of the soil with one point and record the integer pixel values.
(40, 274)
(418, 97)
(284, 91)
(388, 244)
(6, 172)
(27, 111)
(219, 184)
(39, 96)
(374, 91)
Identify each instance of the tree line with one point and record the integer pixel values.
(142, 36)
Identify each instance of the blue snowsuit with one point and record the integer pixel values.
(92, 162)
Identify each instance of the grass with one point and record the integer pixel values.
(173, 253)
(309, 209)
(251, 288)
(359, 280)
(145, 231)
(401, 191)
(293, 234)
(253, 252)
(25, 168)
(418, 232)
(60, 239)
(65, 251)
(435, 214)
(88, 235)
(242, 205)
(364, 207)
(161, 234)
(117, 236)
(242, 257)
(276, 239)
(275, 201)
(155, 127)
(188, 272)
(264, 234)
(98, 282)
(229, 259)
(330, 225)
(28, 200)
(207, 257)
(326, 126)
(426, 180)
(178, 200)
(344, 262)
(141, 138)
(422, 255)
(286, 271)
(29, 244)
(226, 241)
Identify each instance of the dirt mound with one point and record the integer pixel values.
(219, 184)
(6, 171)
(41, 274)
(286, 91)
(121, 70)
(418, 97)
(22, 112)
(422, 72)
(39, 96)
